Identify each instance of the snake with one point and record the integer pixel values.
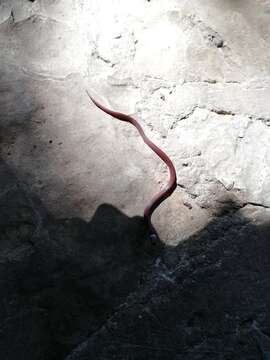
(171, 185)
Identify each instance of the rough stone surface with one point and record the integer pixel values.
(201, 91)
(79, 277)
(61, 278)
(189, 71)
(202, 299)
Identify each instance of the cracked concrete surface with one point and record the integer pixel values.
(196, 76)
(198, 67)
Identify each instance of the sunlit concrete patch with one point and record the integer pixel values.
(196, 75)
(179, 217)
(74, 157)
(221, 149)
(259, 215)
(43, 46)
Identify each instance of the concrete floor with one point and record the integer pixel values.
(74, 182)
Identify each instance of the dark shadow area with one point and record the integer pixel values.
(103, 289)
(202, 301)
(61, 279)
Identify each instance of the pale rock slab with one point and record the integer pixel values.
(195, 74)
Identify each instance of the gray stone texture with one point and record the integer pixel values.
(79, 277)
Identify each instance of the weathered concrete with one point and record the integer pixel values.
(189, 71)
(196, 75)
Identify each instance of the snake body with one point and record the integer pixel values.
(171, 185)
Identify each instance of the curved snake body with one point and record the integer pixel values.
(171, 185)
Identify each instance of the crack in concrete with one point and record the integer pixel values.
(215, 82)
(96, 55)
(219, 111)
(43, 18)
(44, 76)
(251, 203)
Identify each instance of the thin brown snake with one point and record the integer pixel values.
(171, 185)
